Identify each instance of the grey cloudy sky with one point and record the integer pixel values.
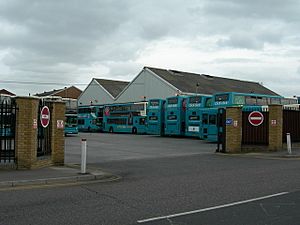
(65, 42)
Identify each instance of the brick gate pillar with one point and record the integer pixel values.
(57, 131)
(275, 127)
(26, 132)
(234, 130)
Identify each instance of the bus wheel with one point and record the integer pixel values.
(111, 130)
(134, 130)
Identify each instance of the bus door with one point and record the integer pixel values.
(209, 125)
(153, 125)
(172, 124)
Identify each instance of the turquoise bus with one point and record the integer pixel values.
(194, 106)
(249, 99)
(175, 108)
(220, 101)
(125, 118)
(90, 118)
(71, 123)
(156, 117)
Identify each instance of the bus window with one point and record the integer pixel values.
(80, 121)
(194, 118)
(212, 119)
(195, 99)
(154, 103)
(250, 100)
(208, 102)
(130, 119)
(118, 121)
(239, 100)
(222, 98)
(172, 117)
(205, 119)
(275, 100)
(172, 101)
(153, 118)
(100, 112)
(142, 121)
(84, 110)
(262, 101)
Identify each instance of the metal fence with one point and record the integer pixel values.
(7, 131)
(291, 124)
(44, 133)
(255, 135)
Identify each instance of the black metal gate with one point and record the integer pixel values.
(221, 126)
(44, 133)
(8, 110)
(291, 124)
(255, 135)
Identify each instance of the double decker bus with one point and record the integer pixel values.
(125, 118)
(194, 106)
(90, 118)
(249, 99)
(71, 116)
(71, 123)
(156, 117)
(175, 108)
(220, 101)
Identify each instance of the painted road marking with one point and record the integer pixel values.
(210, 208)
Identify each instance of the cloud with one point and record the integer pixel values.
(241, 41)
(74, 40)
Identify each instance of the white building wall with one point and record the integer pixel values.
(146, 84)
(94, 94)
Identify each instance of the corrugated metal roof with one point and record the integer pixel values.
(207, 84)
(114, 87)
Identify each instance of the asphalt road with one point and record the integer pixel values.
(105, 147)
(155, 185)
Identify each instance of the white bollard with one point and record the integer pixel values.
(83, 156)
(288, 143)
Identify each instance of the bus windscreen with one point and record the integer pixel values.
(154, 103)
(172, 101)
(195, 99)
(221, 98)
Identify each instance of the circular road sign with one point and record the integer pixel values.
(256, 118)
(45, 116)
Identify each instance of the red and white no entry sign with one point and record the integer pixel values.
(256, 118)
(45, 116)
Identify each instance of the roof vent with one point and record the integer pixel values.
(175, 72)
(208, 77)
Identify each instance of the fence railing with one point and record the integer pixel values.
(7, 132)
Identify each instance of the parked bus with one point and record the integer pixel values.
(90, 118)
(125, 118)
(71, 116)
(156, 117)
(71, 123)
(194, 105)
(240, 99)
(175, 108)
(209, 126)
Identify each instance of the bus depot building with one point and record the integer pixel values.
(158, 83)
